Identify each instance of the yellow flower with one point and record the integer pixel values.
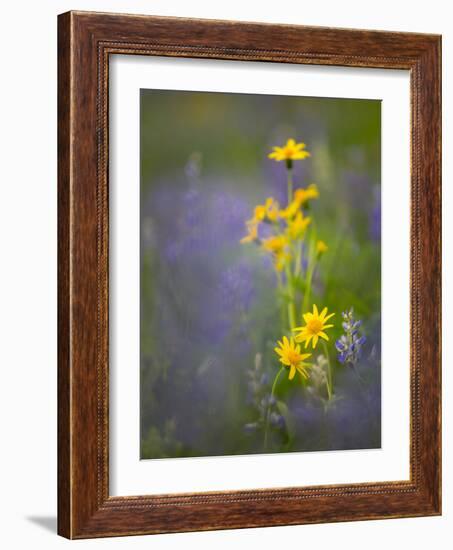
(290, 211)
(272, 209)
(321, 247)
(276, 245)
(252, 234)
(259, 213)
(297, 226)
(302, 195)
(266, 212)
(314, 328)
(281, 259)
(290, 356)
(290, 151)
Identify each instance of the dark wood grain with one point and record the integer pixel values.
(64, 369)
(86, 40)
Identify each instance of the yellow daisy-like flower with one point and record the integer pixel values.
(290, 151)
(321, 247)
(303, 195)
(276, 245)
(297, 226)
(314, 328)
(290, 356)
(252, 235)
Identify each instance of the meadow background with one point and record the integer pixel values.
(208, 303)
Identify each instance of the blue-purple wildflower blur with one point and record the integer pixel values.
(351, 342)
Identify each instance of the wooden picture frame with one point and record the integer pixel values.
(85, 42)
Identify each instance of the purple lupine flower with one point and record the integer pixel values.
(196, 230)
(349, 345)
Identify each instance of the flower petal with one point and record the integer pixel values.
(300, 146)
(302, 372)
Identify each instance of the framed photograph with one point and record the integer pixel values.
(249, 275)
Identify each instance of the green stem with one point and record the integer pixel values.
(277, 376)
(310, 270)
(292, 315)
(298, 261)
(291, 303)
(282, 308)
(290, 185)
(329, 371)
(308, 282)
